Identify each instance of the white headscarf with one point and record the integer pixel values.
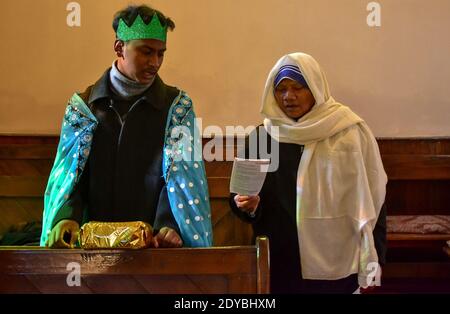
(341, 182)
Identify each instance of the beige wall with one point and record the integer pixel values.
(396, 77)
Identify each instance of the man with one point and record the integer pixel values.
(119, 153)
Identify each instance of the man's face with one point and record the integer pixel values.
(294, 99)
(140, 60)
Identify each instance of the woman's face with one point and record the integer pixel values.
(294, 99)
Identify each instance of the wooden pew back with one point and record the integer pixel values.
(218, 270)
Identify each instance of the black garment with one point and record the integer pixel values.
(27, 234)
(275, 217)
(123, 178)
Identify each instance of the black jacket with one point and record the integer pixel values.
(123, 179)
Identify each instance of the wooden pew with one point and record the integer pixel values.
(419, 183)
(219, 270)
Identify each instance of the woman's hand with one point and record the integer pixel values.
(247, 204)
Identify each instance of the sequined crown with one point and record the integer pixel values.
(140, 30)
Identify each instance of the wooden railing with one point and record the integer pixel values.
(218, 270)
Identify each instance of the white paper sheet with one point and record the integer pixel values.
(248, 175)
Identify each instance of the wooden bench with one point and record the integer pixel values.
(419, 183)
(219, 270)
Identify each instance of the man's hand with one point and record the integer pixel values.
(247, 204)
(64, 234)
(167, 237)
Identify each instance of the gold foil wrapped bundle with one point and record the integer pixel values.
(112, 235)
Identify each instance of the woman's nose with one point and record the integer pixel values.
(288, 95)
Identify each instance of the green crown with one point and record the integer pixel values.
(140, 30)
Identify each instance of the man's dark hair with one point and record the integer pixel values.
(130, 13)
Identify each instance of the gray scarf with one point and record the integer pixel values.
(123, 86)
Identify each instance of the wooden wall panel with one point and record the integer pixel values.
(418, 197)
(414, 146)
(17, 211)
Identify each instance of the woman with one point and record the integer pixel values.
(320, 208)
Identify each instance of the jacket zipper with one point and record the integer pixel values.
(122, 122)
